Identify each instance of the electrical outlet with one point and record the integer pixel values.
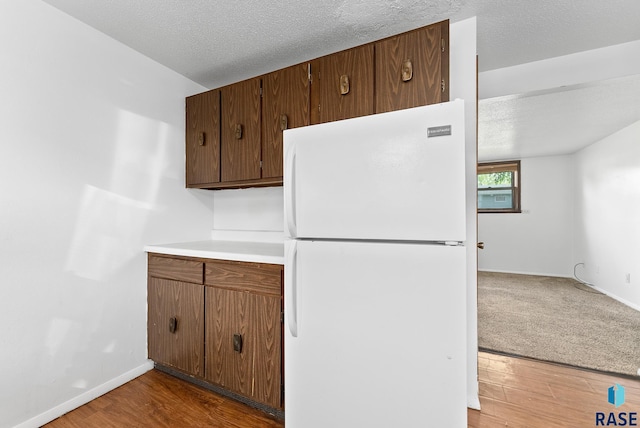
(627, 278)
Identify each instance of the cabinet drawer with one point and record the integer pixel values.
(243, 276)
(177, 269)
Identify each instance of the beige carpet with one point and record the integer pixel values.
(559, 320)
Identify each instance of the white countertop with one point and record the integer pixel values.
(245, 251)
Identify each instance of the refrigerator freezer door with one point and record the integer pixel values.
(380, 336)
(391, 176)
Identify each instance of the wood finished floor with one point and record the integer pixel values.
(518, 392)
(514, 392)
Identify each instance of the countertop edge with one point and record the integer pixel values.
(215, 254)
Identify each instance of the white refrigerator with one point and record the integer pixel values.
(375, 269)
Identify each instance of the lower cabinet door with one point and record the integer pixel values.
(243, 343)
(267, 361)
(175, 326)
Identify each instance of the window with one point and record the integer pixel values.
(499, 187)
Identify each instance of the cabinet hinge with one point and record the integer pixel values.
(260, 90)
(443, 45)
(282, 317)
(443, 85)
(260, 164)
(309, 75)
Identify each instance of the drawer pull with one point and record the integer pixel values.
(237, 343)
(173, 324)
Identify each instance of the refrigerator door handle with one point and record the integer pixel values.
(290, 190)
(291, 288)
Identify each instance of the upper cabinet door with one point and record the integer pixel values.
(285, 104)
(342, 85)
(412, 69)
(203, 138)
(240, 145)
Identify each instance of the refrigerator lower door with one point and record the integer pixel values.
(379, 335)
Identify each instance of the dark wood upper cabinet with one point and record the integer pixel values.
(203, 138)
(342, 85)
(412, 69)
(234, 134)
(285, 104)
(240, 137)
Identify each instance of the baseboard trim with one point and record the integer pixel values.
(85, 397)
(473, 402)
(619, 299)
(595, 287)
(525, 273)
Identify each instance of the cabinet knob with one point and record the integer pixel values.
(238, 131)
(201, 139)
(407, 70)
(284, 122)
(237, 343)
(344, 84)
(173, 324)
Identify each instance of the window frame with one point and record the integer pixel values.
(510, 166)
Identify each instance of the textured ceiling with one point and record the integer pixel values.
(558, 122)
(216, 42)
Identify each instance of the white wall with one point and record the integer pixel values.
(91, 169)
(607, 201)
(463, 54)
(257, 209)
(539, 240)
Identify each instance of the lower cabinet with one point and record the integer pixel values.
(176, 327)
(219, 322)
(243, 350)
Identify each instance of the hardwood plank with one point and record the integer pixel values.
(492, 390)
(156, 399)
(544, 394)
(521, 416)
(511, 380)
(477, 419)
